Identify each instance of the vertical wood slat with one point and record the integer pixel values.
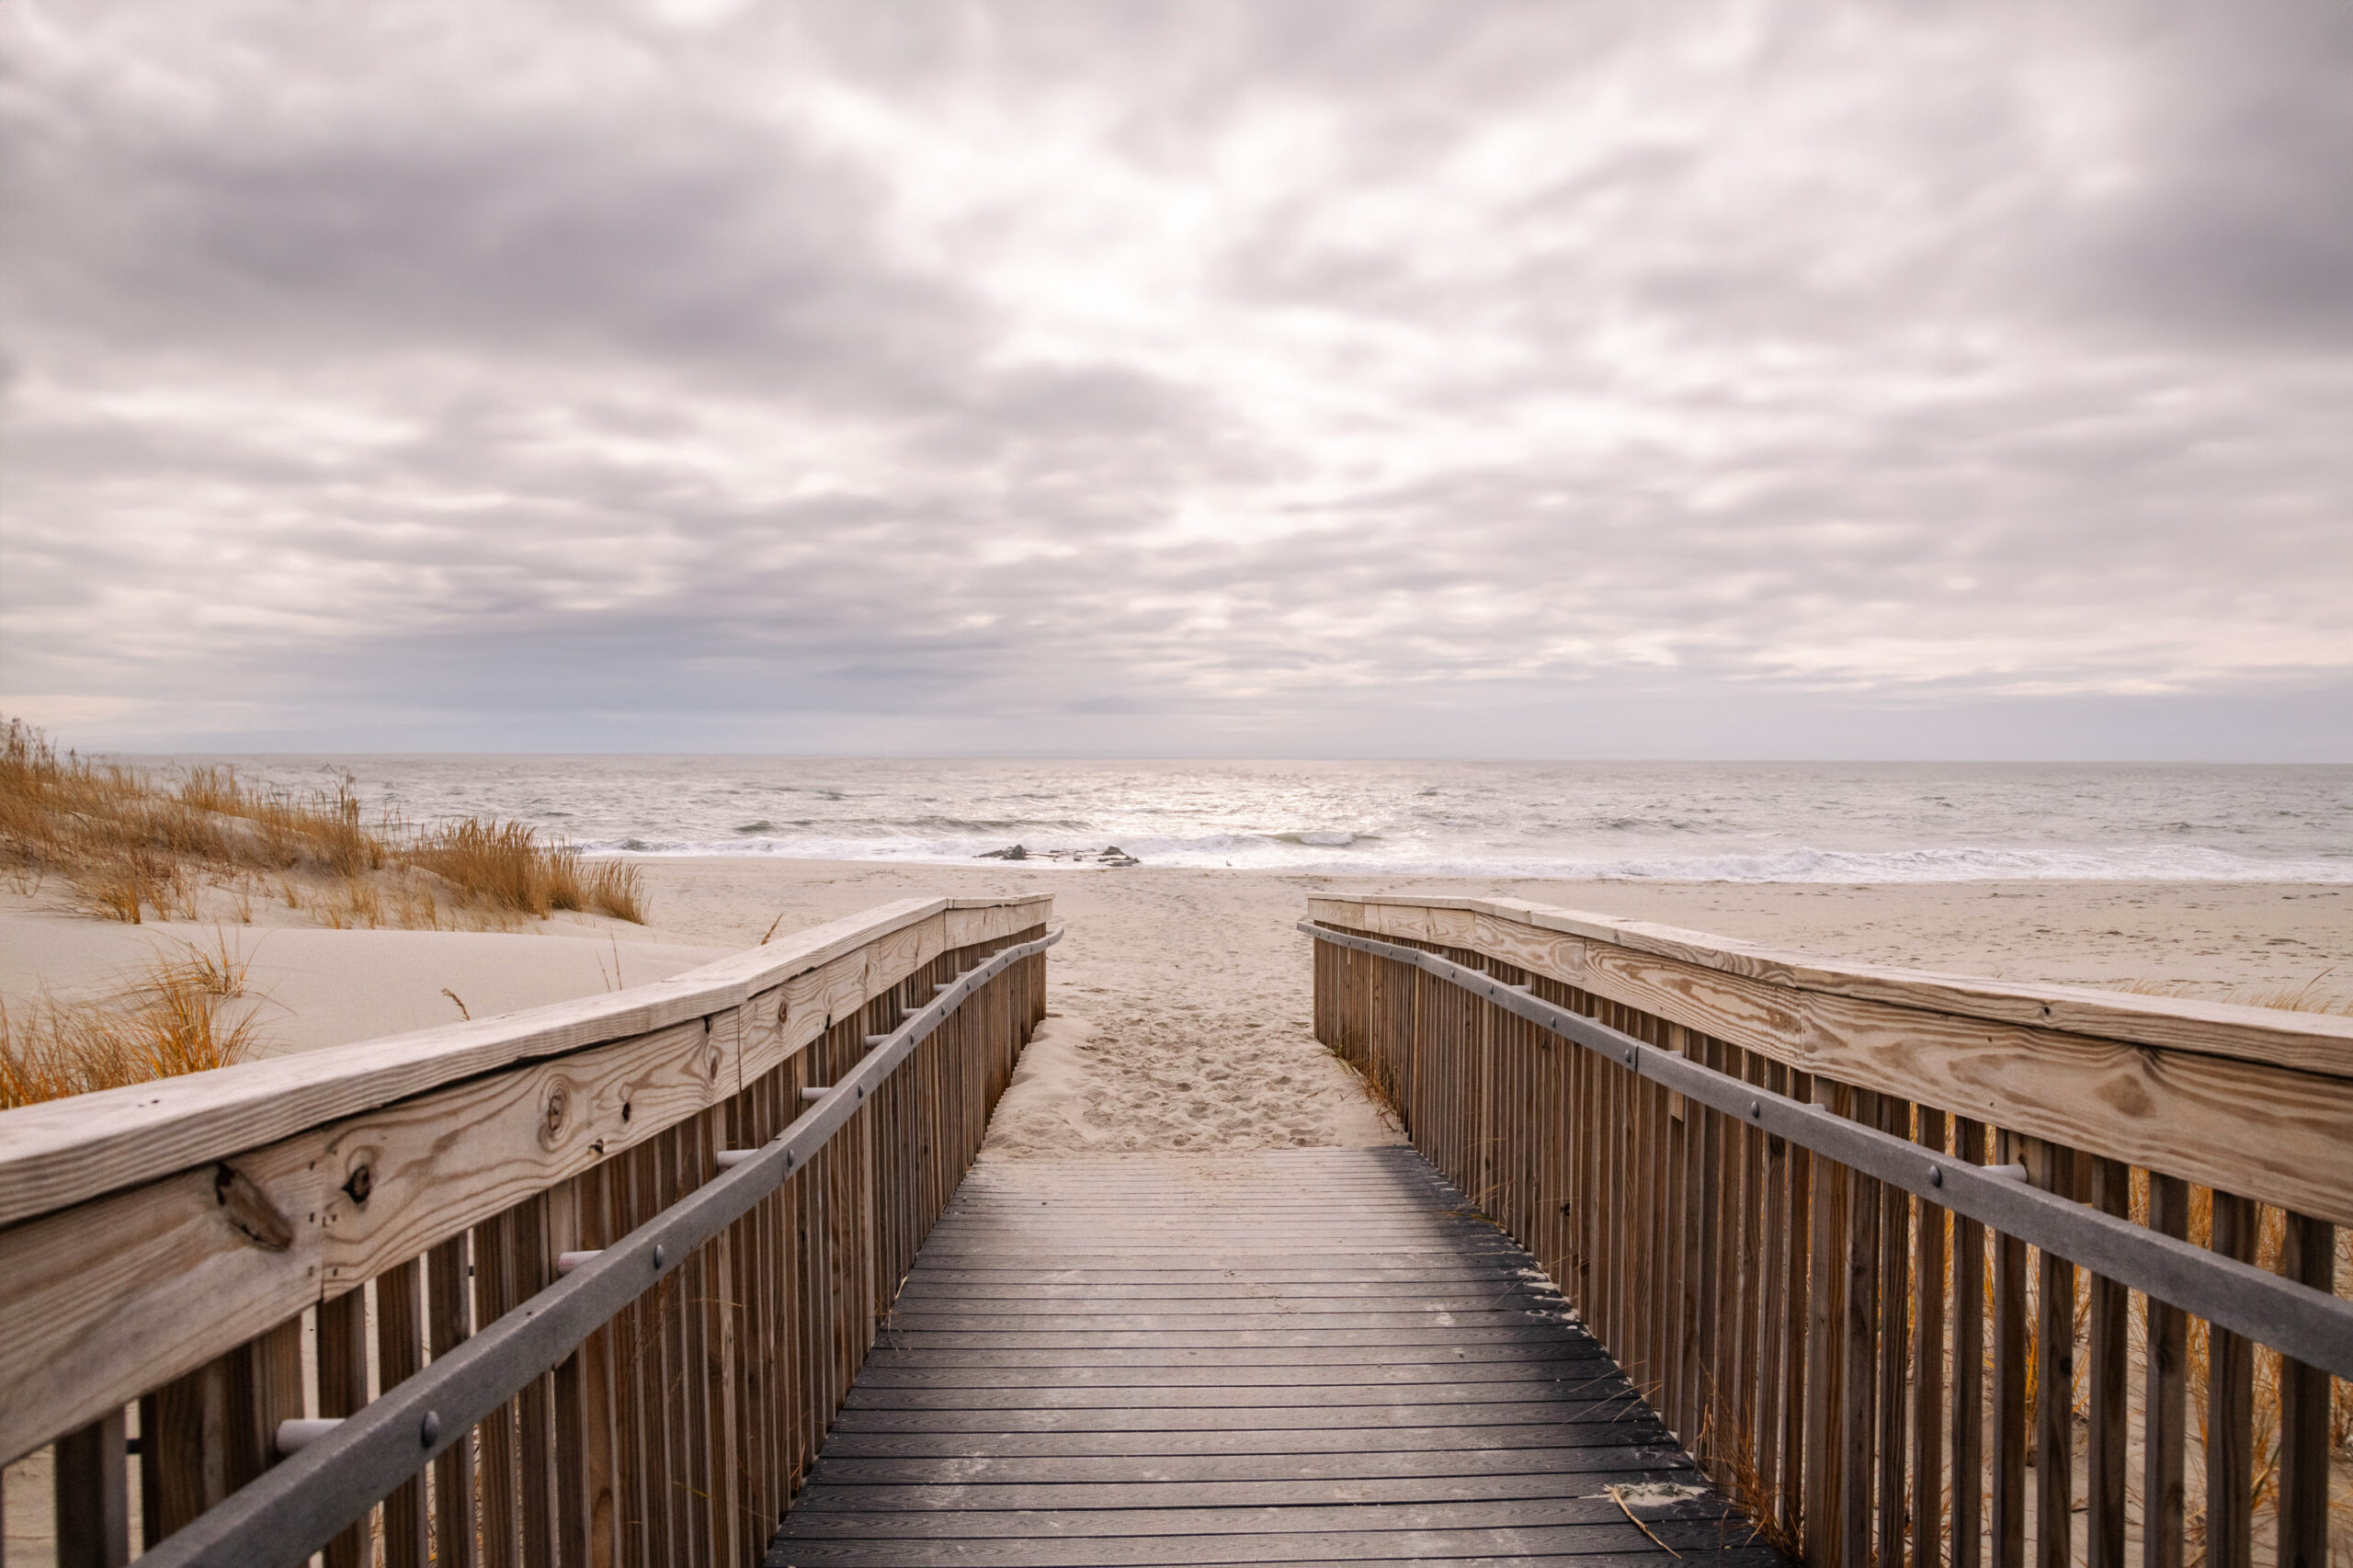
(2054, 1371)
(91, 1478)
(567, 1227)
(264, 1386)
(2230, 1407)
(1796, 1276)
(670, 1488)
(448, 1320)
(150, 1472)
(1697, 1255)
(1928, 1362)
(1967, 1394)
(1894, 1346)
(2164, 1403)
(343, 1390)
(400, 1354)
(1746, 1348)
(532, 1269)
(186, 1432)
(636, 1353)
(2109, 1370)
(1859, 1344)
(2309, 1257)
(1825, 1500)
(2013, 1344)
(493, 1255)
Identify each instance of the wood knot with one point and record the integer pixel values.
(249, 1211)
(555, 1115)
(362, 1183)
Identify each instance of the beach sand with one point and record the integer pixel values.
(1179, 1000)
(1182, 997)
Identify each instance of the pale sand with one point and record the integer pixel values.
(308, 986)
(1184, 996)
(1179, 1000)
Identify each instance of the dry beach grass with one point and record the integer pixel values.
(171, 1020)
(130, 842)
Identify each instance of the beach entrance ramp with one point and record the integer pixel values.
(1856, 1267)
(1297, 1357)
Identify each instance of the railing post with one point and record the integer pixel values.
(2166, 1404)
(93, 1498)
(2229, 1408)
(2309, 1257)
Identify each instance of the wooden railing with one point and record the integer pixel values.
(196, 1277)
(1859, 1341)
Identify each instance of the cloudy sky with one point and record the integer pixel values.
(1287, 379)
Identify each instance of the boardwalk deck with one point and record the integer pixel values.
(1312, 1356)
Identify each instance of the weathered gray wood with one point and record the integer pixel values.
(1248, 1384)
(62, 1152)
(1601, 1515)
(1576, 1389)
(1253, 1358)
(1607, 1452)
(1393, 1301)
(1219, 1338)
(1435, 1352)
(825, 1494)
(1220, 1292)
(859, 1417)
(1565, 1547)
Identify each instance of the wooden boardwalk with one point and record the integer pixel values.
(1313, 1356)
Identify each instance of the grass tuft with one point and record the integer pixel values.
(505, 865)
(170, 1023)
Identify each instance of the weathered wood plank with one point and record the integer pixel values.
(62, 1152)
(1330, 1402)
(1606, 1522)
(826, 1494)
(1605, 1427)
(1439, 1348)
(1602, 1452)
(94, 1301)
(1572, 1546)
(1556, 942)
(275, 1227)
(2254, 1100)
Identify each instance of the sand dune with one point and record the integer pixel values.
(308, 987)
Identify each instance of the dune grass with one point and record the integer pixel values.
(130, 842)
(171, 1021)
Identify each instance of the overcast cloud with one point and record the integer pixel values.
(1505, 378)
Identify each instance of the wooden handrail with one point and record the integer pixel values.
(61, 1151)
(1858, 1341)
(2255, 1101)
(341, 1472)
(235, 1250)
(2283, 1314)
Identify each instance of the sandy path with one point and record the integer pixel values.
(1182, 997)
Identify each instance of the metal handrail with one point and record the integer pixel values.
(297, 1506)
(2306, 1325)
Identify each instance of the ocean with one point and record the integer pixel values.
(1734, 822)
